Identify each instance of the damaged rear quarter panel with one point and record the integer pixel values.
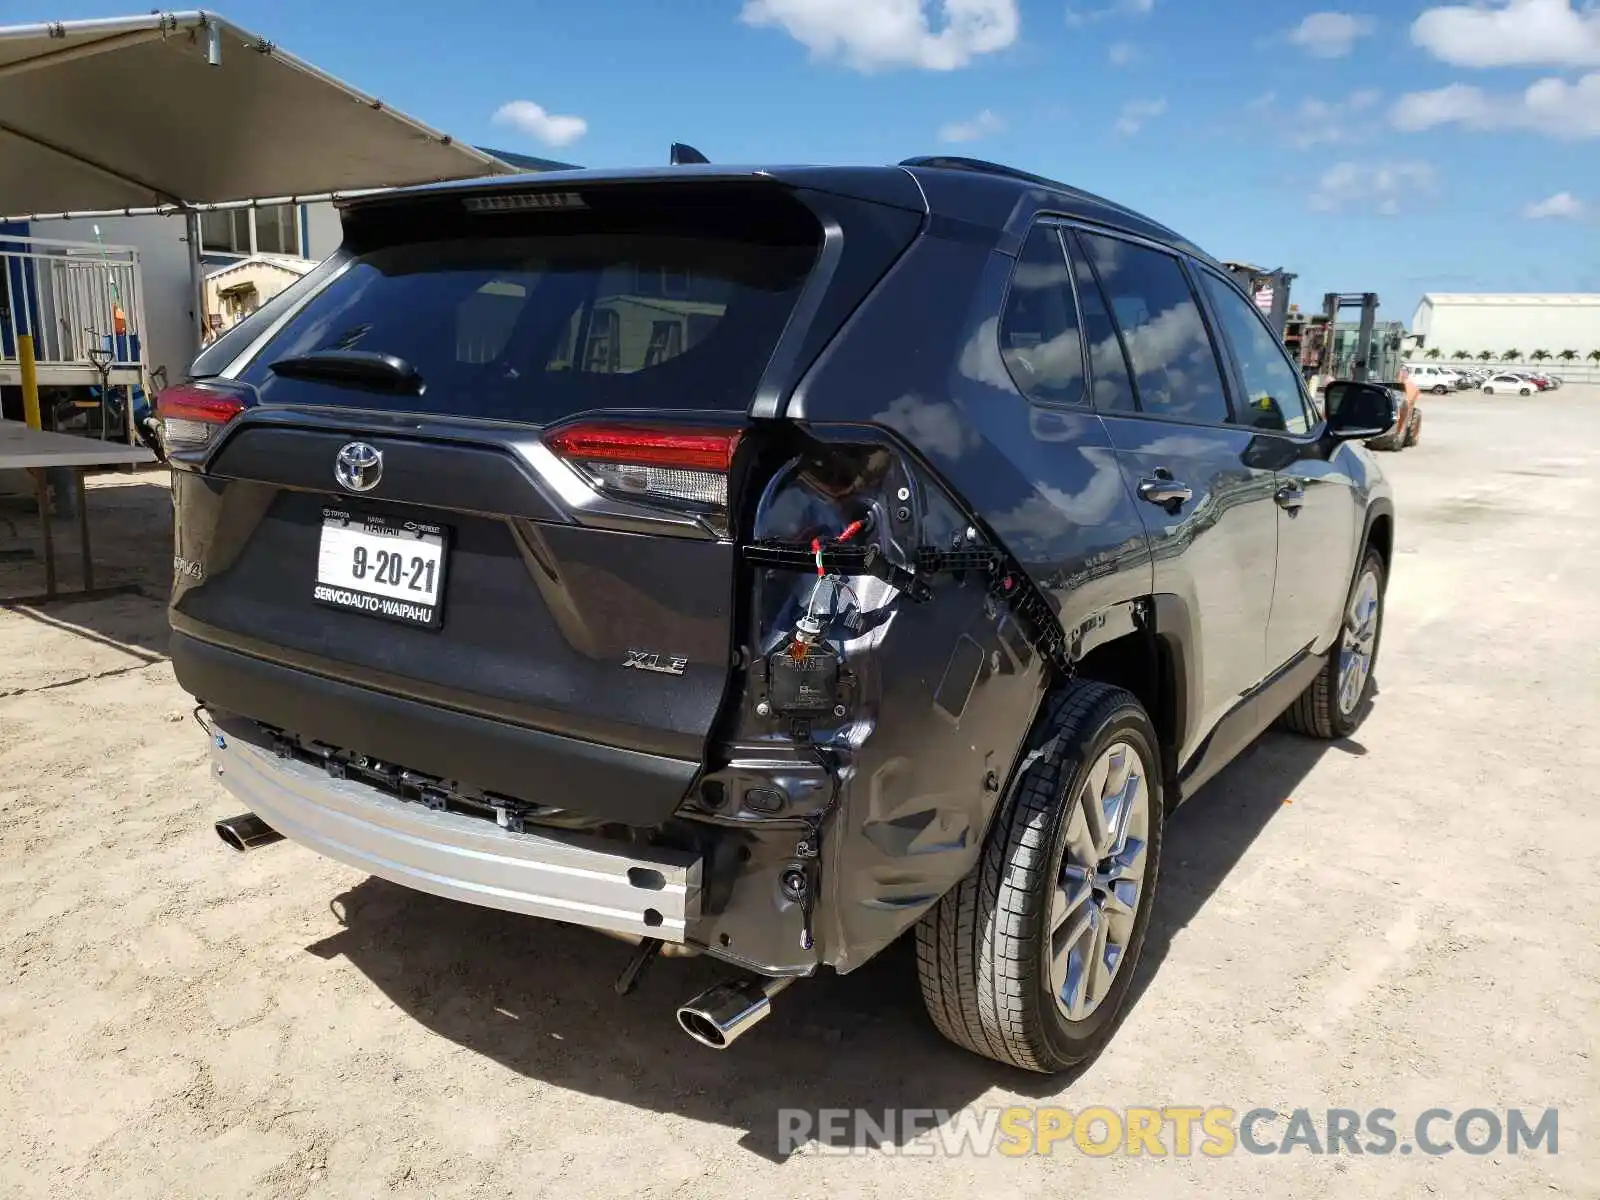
(948, 688)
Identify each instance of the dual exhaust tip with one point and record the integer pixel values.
(717, 1017)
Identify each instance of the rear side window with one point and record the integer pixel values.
(1108, 365)
(1174, 362)
(680, 311)
(1271, 385)
(1039, 339)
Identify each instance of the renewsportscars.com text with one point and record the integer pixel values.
(1171, 1130)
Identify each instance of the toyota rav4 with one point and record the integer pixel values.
(770, 563)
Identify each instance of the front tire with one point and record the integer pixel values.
(1335, 703)
(1028, 960)
(1488, 391)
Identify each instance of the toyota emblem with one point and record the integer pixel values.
(358, 467)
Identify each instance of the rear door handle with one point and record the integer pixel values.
(1290, 496)
(1169, 493)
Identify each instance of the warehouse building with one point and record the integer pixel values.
(1497, 322)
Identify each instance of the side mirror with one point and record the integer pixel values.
(1358, 411)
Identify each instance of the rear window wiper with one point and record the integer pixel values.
(364, 369)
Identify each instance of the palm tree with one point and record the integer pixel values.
(1461, 355)
(1485, 355)
(1435, 353)
(1594, 356)
(1539, 355)
(1568, 356)
(1408, 354)
(1511, 356)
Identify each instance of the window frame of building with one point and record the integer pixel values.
(244, 231)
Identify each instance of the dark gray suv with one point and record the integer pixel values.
(771, 562)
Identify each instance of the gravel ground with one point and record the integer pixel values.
(1402, 921)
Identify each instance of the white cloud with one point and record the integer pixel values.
(1512, 33)
(1562, 204)
(1117, 8)
(874, 34)
(1317, 122)
(1137, 113)
(1381, 187)
(1122, 54)
(531, 119)
(980, 126)
(1553, 107)
(1330, 34)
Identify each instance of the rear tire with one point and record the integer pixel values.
(1056, 905)
(1439, 389)
(1335, 703)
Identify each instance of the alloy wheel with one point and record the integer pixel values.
(1359, 642)
(1100, 881)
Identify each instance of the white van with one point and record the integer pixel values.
(1430, 378)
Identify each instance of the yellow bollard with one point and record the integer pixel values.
(30, 380)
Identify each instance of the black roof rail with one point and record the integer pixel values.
(950, 162)
(982, 166)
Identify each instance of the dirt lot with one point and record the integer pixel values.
(1403, 921)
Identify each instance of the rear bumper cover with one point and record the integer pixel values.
(612, 783)
(647, 891)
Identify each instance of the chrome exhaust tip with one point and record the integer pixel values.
(727, 1011)
(247, 832)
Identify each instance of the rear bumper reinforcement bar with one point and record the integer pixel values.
(584, 880)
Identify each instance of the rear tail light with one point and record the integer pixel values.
(192, 414)
(682, 467)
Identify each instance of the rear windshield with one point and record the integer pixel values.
(680, 312)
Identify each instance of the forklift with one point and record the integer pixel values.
(1371, 356)
(1364, 359)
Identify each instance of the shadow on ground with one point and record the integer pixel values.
(130, 533)
(537, 996)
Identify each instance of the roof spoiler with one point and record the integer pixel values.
(682, 153)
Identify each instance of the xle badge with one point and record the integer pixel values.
(661, 664)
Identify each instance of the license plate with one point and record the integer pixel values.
(382, 567)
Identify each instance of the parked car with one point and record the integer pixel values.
(1435, 379)
(771, 563)
(1507, 382)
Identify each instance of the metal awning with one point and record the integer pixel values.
(187, 108)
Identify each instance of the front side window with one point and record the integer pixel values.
(1271, 385)
(1174, 363)
(1039, 339)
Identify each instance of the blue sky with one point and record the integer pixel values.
(1389, 145)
